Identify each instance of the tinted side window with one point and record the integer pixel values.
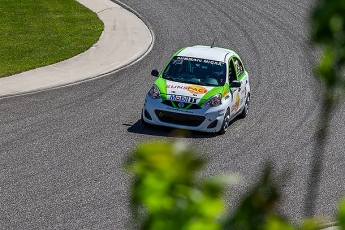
(232, 72)
(239, 67)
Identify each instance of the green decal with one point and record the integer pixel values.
(212, 92)
(226, 90)
(243, 76)
(162, 86)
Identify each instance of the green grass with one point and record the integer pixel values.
(35, 33)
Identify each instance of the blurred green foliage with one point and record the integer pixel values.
(328, 36)
(328, 32)
(341, 214)
(167, 194)
(166, 183)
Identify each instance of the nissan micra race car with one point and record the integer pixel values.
(201, 88)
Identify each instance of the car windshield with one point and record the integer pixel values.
(195, 71)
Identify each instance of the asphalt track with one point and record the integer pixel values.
(62, 151)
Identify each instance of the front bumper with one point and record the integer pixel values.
(204, 119)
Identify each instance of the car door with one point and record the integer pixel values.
(242, 77)
(235, 92)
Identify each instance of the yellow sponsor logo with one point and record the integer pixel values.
(196, 89)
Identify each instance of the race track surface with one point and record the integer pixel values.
(62, 151)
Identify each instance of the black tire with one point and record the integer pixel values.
(226, 122)
(246, 108)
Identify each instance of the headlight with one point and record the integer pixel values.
(154, 92)
(214, 101)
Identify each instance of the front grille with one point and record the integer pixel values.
(179, 119)
(171, 103)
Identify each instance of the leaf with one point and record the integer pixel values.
(311, 224)
(341, 214)
(276, 223)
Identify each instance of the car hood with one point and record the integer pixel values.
(186, 92)
(187, 89)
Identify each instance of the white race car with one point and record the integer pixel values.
(201, 88)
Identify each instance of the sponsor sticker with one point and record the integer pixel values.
(200, 60)
(180, 98)
(195, 89)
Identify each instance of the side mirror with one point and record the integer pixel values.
(155, 72)
(235, 84)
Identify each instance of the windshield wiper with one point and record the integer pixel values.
(193, 82)
(202, 83)
(188, 81)
(169, 78)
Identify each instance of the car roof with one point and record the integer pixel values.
(207, 52)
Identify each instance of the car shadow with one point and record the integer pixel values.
(160, 131)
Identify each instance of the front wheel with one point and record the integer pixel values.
(226, 122)
(246, 107)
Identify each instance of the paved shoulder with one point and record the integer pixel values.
(125, 38)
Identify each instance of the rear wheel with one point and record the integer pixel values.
(226, 122)
(246, 107)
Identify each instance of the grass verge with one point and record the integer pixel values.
(35, 33)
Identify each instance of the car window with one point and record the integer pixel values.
(239, 67)
(232, 72)
(195, 71)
